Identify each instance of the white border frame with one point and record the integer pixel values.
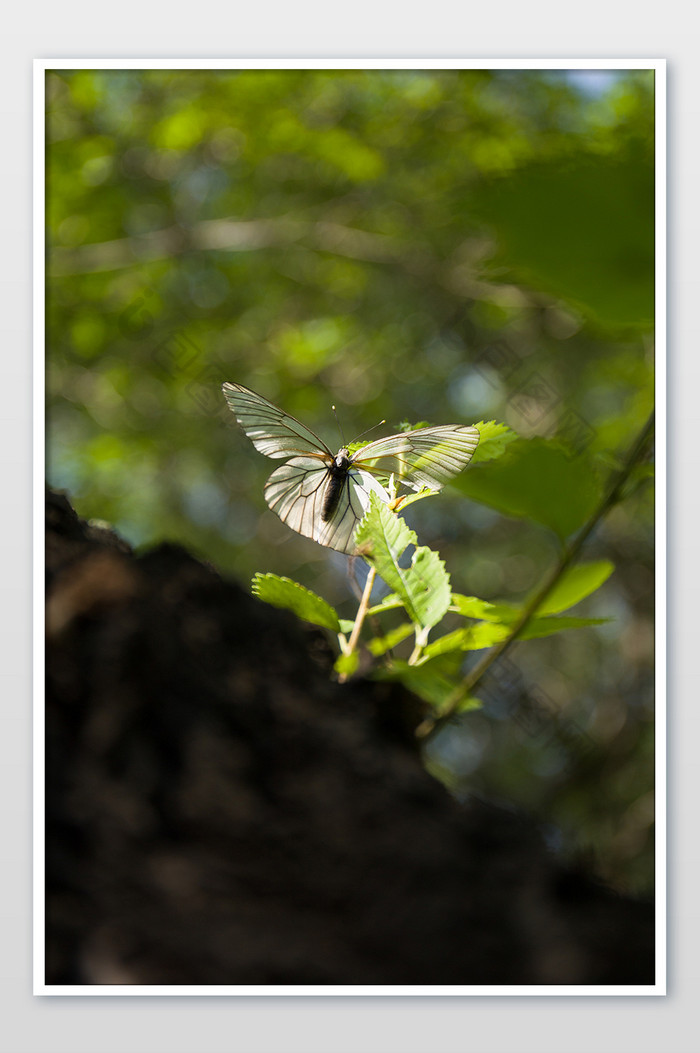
(41, 66)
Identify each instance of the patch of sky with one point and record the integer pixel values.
(474, 395)
(593, 82)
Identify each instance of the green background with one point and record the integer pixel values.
(441, 246)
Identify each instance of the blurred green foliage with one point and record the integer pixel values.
(441, 246)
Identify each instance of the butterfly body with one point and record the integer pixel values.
(324, 495)
(337, 479)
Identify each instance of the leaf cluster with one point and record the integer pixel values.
(427, 647)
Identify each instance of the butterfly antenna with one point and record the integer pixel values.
(368, 430)
(337, 421)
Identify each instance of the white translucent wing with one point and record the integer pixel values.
(427, 456)
(272, 432)
(339, 532)
(295, 492)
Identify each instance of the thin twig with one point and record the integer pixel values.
(431, 725)
(415, 655)
(359, 620)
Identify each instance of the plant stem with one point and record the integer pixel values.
(415, 655)
(359, 620)
(431, 725)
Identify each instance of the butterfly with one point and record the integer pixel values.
(323, 495)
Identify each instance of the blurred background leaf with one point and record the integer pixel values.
(439, 245)
(553, 224)
(537, 480)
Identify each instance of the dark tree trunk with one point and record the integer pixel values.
(219, 811)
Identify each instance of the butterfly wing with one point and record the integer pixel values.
(339, 531)
(295, 492)
(425, 457)
(271, 431)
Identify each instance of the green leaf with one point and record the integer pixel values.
(405, 425)
(424, 587)
(472, 638)
(389, 603)
(409, 499)
(353, 447)
(547, 626)
(283, 592)
(535, 479)
(493, 440)
(581, 229)
(429, 584)
(539, 626)
(575, 584)
(434, 682)
(346, 625)
(347, 664)
(381, 644)
(473, 607)
(469, 703)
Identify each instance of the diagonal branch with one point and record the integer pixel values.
(431, 725)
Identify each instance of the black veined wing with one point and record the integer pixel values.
(316, 493)
(299, 493)
(425, 457)
(323, 496)
(271, 431)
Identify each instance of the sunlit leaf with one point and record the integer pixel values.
(388, 603)
(346, 664)
(540, 625)
(381, 644)
(473, 607)
(283, 592)
(575, 584)
(469, 703)
(409, 499)
(424, 586)
(473, 638)
(495, 437)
